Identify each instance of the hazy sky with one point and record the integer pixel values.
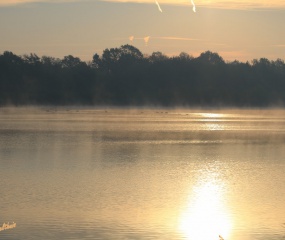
(242, 30)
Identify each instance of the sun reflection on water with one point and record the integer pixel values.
(212, 115)
(206, 216)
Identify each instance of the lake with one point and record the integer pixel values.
(83, 173)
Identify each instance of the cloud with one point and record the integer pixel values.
(234, 55)
(12, 2)
(18, 2)
(6, 226)
(146, 40)
(177, 38)
(228, 4)
(170, 38)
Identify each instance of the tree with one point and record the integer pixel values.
(32, 59)
(157, 57)
(123, 76)
(96, 61)
(211, 58)
(130, 52)
(183, 56)
(71, 62)
(116, 57)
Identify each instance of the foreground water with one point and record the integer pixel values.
(142, 174)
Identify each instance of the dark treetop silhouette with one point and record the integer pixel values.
(124, 76)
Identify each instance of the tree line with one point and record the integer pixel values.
(124, 76)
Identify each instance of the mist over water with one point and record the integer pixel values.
(82, 173)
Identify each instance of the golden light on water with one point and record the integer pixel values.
(212, 121)
(206, 217)
(212, 115)
(214, 126)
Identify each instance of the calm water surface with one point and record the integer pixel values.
(142, 174)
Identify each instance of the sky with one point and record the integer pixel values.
(238, 30)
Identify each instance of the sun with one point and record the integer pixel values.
(206, 216)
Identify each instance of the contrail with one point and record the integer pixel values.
(177, 38)
(131, 38)
(194, 7)
(146, 39)
(158, 5)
